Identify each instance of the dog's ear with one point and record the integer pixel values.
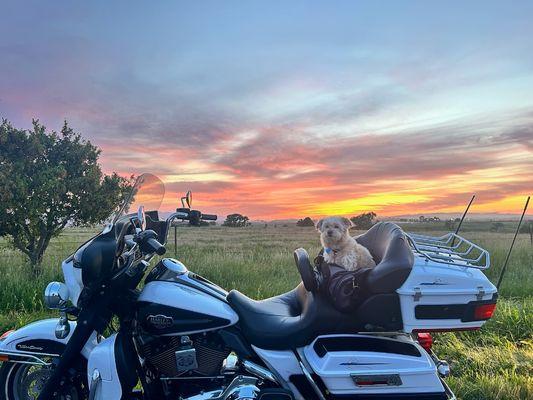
(319, 224)
(346, 222)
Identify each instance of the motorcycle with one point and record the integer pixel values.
(180, 336)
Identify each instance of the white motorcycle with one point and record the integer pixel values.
(183, 337)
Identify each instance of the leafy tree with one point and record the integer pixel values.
(236, 221)
(305, 222)
(49, 180)
(364, 221)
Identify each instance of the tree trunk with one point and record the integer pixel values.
(37, 253)
(36, 261)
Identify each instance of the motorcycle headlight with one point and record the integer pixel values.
(55, 295)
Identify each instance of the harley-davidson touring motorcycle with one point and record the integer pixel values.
(129, 330)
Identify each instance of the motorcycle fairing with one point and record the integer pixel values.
(39, 337)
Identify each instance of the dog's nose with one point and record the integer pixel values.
(330, 233)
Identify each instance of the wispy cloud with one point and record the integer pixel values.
(313, 110)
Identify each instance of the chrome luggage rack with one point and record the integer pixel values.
(450, 249)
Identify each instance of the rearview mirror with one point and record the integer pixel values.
(186, 201)
(141, 217)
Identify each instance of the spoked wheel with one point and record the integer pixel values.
(25, 382)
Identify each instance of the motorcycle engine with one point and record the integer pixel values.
(175, 356)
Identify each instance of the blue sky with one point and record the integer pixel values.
(273, 107)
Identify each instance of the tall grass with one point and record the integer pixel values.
(494, 363)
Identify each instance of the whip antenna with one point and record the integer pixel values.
(463, 217)
(512, 244)
(464, 214)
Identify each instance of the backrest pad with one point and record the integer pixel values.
(388, 245)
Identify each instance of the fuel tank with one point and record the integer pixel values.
(175, 301)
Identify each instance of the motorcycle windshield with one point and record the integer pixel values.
(148, 191)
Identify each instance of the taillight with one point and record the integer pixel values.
(425, 340)
(484, 311)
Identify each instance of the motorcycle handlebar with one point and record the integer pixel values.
(148, 242)
(188, 215)
(155, 246)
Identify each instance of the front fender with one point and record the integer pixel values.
(39, 337)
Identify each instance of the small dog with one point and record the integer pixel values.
(339, 247)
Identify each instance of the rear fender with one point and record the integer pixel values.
(39, 338)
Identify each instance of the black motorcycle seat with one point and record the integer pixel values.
(295, 318)
(287, 321)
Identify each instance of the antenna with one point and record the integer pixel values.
(512, 244)
(463, 217)
(464, 214)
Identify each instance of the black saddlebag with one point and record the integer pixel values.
(344, 289)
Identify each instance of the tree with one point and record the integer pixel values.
(236, 221)
(364, 221)
(49, 180)
(305, 222)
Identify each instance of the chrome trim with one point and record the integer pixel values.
(230, 364)
(450, 249)
(443, 368)
(307, 374)
(184, 378)
(56, 295)
(259, 371)
(96, 380)
(447, 390)
(63, 327)
(28, 354)
(242, 387)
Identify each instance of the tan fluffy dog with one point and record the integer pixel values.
(339, 247)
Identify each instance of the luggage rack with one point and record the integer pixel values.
(450, 249)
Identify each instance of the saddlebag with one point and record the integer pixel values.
(365, 366)
(344, 289)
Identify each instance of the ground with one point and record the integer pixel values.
(493, 363)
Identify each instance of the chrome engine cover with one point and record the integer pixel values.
(241, 388)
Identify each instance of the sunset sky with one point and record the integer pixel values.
(282, 109)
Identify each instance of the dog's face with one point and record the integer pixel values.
(333, 229)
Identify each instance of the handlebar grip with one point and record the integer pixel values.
(155, 246)
(209, 217)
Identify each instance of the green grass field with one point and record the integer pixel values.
(494, 363)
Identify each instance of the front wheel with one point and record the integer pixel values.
(25, 382)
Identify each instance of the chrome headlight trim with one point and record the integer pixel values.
(56, 295)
